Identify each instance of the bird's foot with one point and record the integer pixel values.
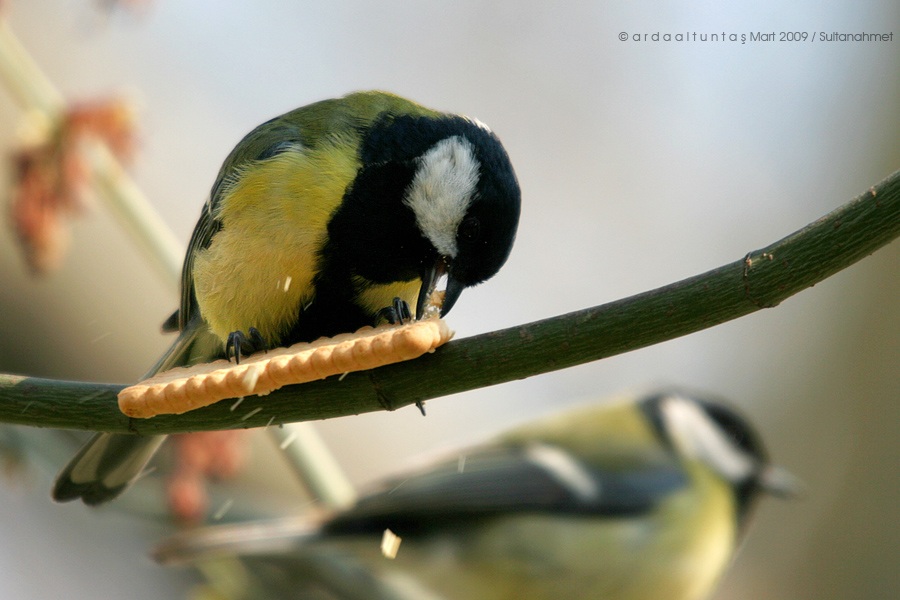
(397, 313)
(241, 344)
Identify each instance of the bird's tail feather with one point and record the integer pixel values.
(108, 463)
(104, 467)
(263, 537)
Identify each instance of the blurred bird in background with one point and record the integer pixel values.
(645, 498)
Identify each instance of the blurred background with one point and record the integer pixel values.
(641, 163)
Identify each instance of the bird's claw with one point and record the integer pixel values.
(239, 344)
(397, 313)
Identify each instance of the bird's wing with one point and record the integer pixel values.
(266, 141)
(494, 480)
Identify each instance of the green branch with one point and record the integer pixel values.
(761, 279)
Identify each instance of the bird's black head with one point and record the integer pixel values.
(459, 193)
(711, 432)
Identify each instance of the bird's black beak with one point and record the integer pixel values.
(451, 294)
(430, 277)
(780, 483)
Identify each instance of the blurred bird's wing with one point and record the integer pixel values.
(274, 536)
(501, 480)
(277, 561)
(487, 481)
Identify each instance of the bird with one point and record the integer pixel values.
(648, 496)
(337, 215)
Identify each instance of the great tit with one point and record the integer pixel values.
(321, 221)
(623, 501)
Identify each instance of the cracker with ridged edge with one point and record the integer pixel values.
(181, 390)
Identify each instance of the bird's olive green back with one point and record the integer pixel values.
(310, 125)
(616, 435)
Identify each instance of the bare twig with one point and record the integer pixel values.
(761, 279)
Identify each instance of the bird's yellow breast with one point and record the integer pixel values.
(372, 297)
(259, 269)
(697, 536)
(678, 552)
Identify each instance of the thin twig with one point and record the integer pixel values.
(761, 279)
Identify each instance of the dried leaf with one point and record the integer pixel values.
(51, 175)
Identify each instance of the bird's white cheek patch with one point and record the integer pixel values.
(696, 435)
(442, 191)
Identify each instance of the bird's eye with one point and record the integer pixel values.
(470, 229)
